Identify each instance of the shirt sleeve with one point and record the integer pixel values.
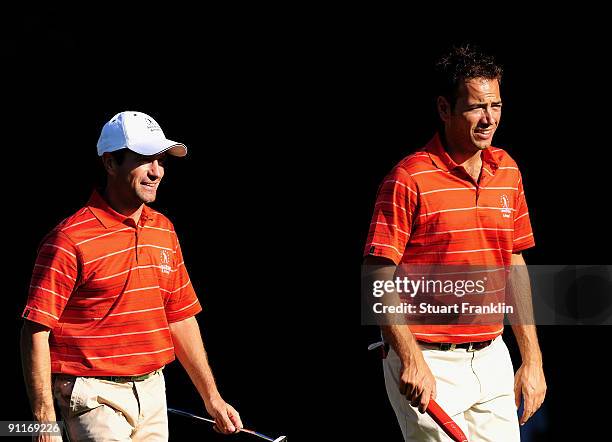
(523, 235)
(182, 303)
(54, 279)
(391, 224)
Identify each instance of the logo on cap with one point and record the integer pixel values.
(152, 125)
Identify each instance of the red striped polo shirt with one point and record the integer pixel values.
(430, 211)
(108, 288)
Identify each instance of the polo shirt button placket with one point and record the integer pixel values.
(136, 242)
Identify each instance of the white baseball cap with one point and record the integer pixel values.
(139, 133)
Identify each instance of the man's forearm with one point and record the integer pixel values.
(399, 336)
(36, 363)
(523, 321)
(401, 339)
(189, 349)
(527, 340)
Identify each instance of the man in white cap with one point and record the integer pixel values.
(111, 303)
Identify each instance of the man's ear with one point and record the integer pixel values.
(444, 109)
(109, 164)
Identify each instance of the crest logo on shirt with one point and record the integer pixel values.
(505, 206)
(164, 259)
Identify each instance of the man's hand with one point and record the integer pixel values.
(227, 419)
(416, 382)
(46, 438)
(189, 349)
(529, 383)
(529, 379)
(36, 363)
(46, 416)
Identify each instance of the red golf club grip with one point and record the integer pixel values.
(445, 422)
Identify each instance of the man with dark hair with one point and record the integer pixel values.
(462, 63)
(111, 303)
(458, 201)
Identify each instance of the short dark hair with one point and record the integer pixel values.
(462, 63)
(119, 155)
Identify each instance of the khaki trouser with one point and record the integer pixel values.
(100, 410)
(476, 389)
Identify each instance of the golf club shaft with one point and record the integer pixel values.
(184, 413)
(244, 430)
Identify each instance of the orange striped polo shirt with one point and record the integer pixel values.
(108, 288)
(430, 211)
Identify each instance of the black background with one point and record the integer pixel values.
(291, 124)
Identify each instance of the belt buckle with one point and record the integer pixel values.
(471, 348)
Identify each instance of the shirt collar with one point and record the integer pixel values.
(440, 157)
(108, 216)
